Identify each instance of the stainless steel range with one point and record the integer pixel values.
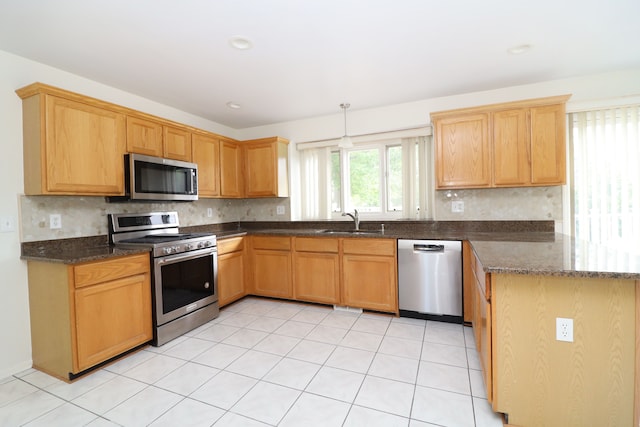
(184, 270)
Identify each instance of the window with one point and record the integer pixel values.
(384, 179)
(605, 192)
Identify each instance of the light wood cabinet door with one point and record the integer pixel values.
(84, 149)
(272, 266)
(511, 148)
(176, 143)
(462, 150)
(548, 150)
(231, 270)
(369, 274)
(468, 282)
(205, 152)
(144, 137)
(272, 273)
(266, 168)
(317, 277)
(231, 182)
(112, 317)
(370, 282)
(482, 323)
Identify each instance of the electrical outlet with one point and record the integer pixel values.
(564, 329)
(457, 206)
(55, 221)
(209, 212)
(280, 210)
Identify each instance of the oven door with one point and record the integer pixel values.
(184, 283)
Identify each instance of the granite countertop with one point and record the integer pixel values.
(75, 251)
(501, 247)
(563, 256)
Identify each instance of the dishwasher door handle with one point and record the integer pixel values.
(428, 248)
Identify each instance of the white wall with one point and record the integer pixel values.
(614, 88)
(16, 72)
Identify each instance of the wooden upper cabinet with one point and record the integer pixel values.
(144, 137)
(548, 130)
(511, 148)
(71, 147)
(525, 144)
(266, 167)
(462, 151)
(231, 183)
(205, 152)
(176, 143)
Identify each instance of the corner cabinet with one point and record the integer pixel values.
(271, 266)
(231, 172)
(266, 163)
(70, 146)
(231, 270)
(516, 144)
(205, 151)
(85, 314)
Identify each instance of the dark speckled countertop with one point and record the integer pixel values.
(518, 247)
(564, 256)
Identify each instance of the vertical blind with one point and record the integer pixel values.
(605, 197)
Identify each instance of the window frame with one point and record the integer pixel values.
(382, 148)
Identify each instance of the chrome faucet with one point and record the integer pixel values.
(354, 216)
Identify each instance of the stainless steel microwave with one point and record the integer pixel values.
(149, 178)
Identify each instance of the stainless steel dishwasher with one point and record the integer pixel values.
(430, 279)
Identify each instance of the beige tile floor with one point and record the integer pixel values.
(272, 363)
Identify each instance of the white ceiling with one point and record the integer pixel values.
(309, 56)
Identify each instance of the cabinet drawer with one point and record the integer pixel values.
(275, 243)
(367, 246)
(316, 244)
(103, 271)
(234, 244)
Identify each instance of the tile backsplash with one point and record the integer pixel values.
(526, 203)
(87, 216)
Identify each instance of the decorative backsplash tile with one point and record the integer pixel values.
(87, 216)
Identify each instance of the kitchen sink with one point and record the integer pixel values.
(350, 232)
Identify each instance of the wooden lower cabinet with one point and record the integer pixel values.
(316, 275)
(356, 272)
(369, 274)
(481, 320)
(271, 266)
(85, 314)
(231, 270)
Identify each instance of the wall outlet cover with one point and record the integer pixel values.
(55, 221)
(564, 329)
(457, 206)
(280, 210)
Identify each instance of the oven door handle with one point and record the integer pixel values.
(186, 256)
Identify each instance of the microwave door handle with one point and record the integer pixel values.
(191, 182)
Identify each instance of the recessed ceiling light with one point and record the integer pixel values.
(233, 105)
(519, 50)
(240, 43)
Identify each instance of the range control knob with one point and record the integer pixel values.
(167, 250)
(201, 245)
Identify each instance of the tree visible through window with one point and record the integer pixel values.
(369, 179)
